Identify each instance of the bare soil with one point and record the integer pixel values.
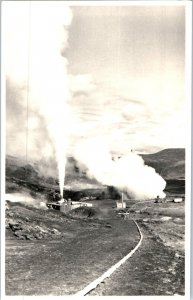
(153, 270)
(61, 254)
(63, 263)
(157, 267)
(49, 253)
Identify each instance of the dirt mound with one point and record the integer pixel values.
(24, 224)
(29, 223)
(24, 230)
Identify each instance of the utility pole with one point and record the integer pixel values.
(122, 199)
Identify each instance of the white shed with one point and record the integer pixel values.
(178, 200)
(120, 204)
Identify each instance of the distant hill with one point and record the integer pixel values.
(44, 174)
(169, 163)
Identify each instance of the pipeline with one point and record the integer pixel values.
(110, 271)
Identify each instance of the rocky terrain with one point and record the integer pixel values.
(83, 244)
(50, 253)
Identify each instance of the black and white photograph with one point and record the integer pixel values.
(95, 164)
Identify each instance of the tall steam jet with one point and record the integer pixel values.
(36, 35)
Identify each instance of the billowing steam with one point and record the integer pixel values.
(27, 200)
(128, 174)
(36, 34)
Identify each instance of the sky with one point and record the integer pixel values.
(124, 72)
(130, 63)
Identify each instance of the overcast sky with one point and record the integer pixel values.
(130, 83)
(124, 67)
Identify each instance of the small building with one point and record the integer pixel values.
(65, 206)
(120, 204)
(178, 200)
(76, 204)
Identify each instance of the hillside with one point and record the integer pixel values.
(169, 163)
(45, 173)
(42, 176)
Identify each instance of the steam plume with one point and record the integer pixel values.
(129, 173)
(36, 34)
(27, 200)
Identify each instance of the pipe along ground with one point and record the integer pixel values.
(91, 286)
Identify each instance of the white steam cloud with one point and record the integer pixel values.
(36, 35)
(128, 174)
(27, 200)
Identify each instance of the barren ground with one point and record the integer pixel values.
(55, 254)
(64, 262)
(157, 267)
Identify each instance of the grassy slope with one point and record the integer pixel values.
(39, 177)
(169, 163)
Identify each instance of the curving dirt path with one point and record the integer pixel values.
(154, 269)
(86, 249)
(111, 270)
(66, 265)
